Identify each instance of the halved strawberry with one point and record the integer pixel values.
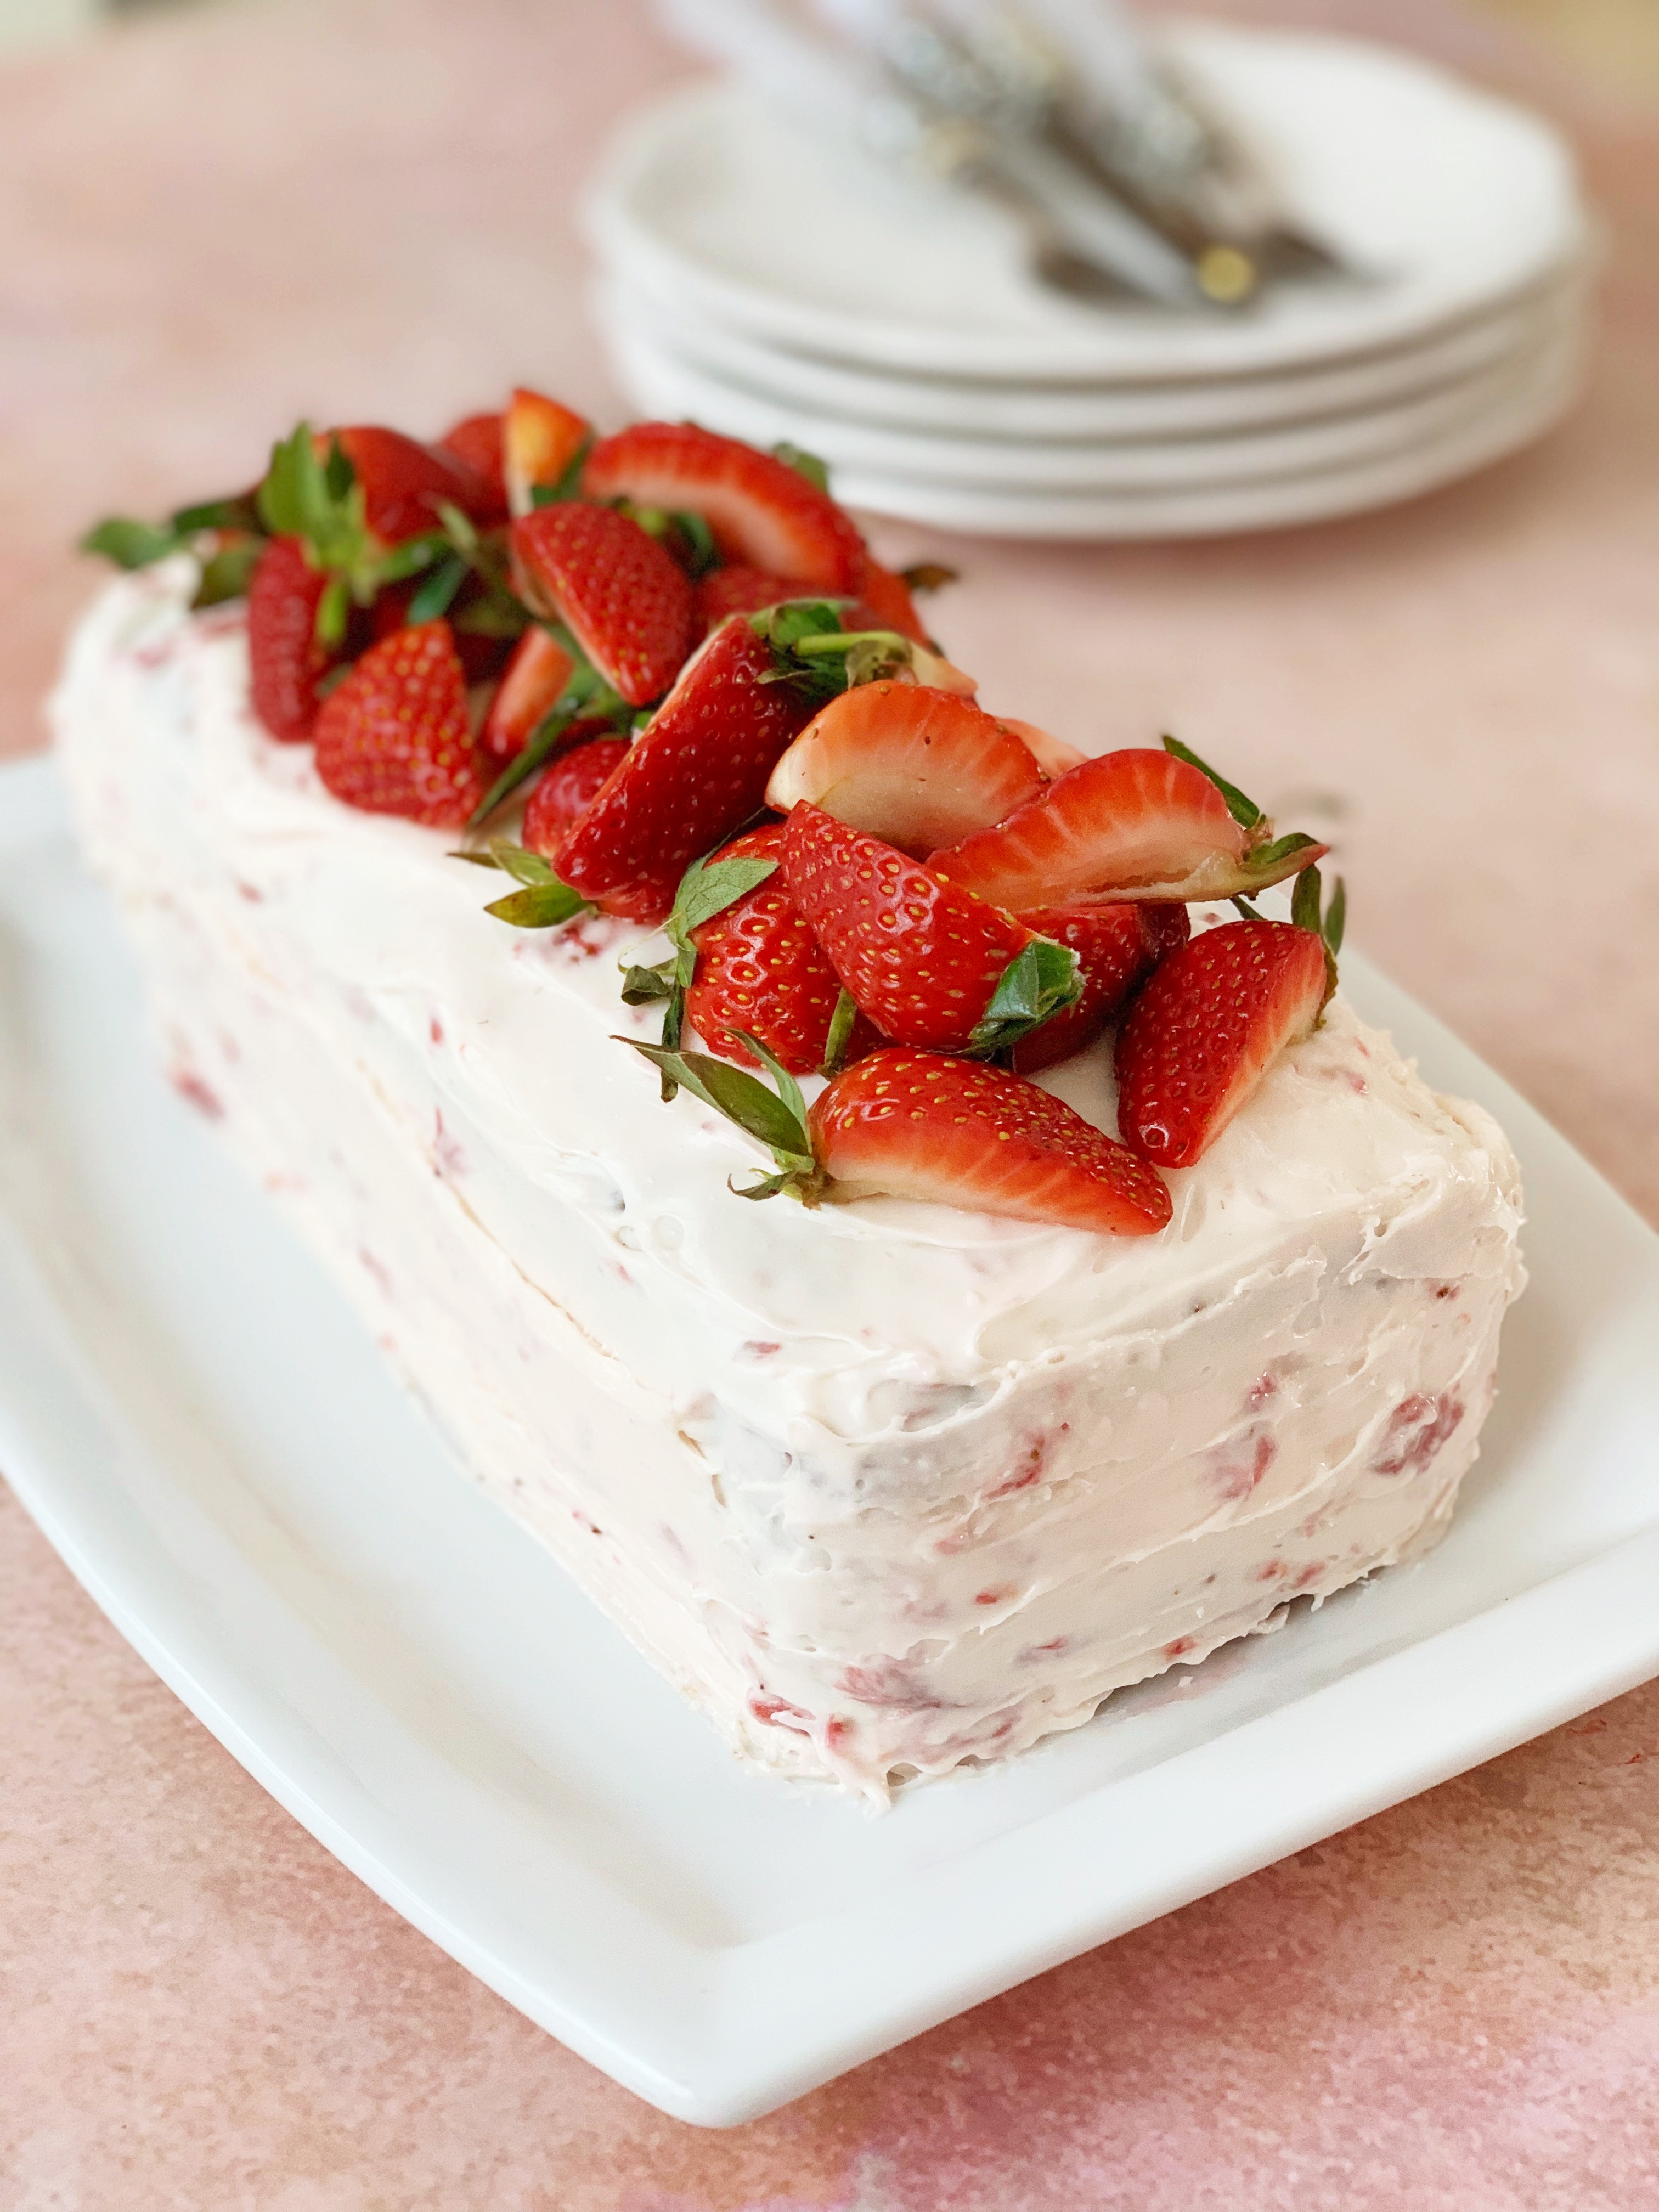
(540, 439)
(957, 1133)
(566, 792)
(917, 766)
(404, 483)
(763, 512)
(627, 601)
(1207, 1028)
(1117, 946)
(533, 683)
(395, 737)
(477, 439)
(923, 959)
(287, 662)
(1139, 823)
(1052, 754)
(761, 969)
(692, 780)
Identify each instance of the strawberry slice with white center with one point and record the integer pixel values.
(1135, 825)
(1208, 1026)
(957, 1133)
(1117, 946)
(930, 964)
(692, 780)
(531, 686)
(627, 602)
(540, 442)
(762, 512)
(917, 766)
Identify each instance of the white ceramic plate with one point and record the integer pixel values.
(664, 384)
(961, 406)
(1447, 201)
(200, 1427)
(1541, 392)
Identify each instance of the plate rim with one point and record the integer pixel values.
(723, 2058)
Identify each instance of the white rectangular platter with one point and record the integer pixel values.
(207, 1435)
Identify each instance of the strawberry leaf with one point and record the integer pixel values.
(332, 611)
(1244, 812)
(130, 543)
(538, 905)
(815, 471)
(1305, 902)
(226, 574)
(741, 1097)
(707, 888)
(841, 1033)
(238, 512)
(568, 483)
(1336, 917)
(1327, 926)
(642, 986)
(1267, 861)
(1036, 983)
(788, 1089)
(929, 576)
(440, 588)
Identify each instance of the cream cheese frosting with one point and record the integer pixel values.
(882, 1486)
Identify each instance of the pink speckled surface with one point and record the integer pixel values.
(211, 223)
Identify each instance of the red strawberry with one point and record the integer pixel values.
(628, 602)
(1127, 824)
(957, 1132)
(1115, 946)
(917, 766)
(760, 968)
(404, 482)
(739, 590)
(539, 440)
(567, 791)
(1052, 755)
(691, 780)
(1206, 1030)
(477, 439)
(286, 660)
(921, 958)
(534, 682)
(394, 738)
(763, 512)
(887, 597)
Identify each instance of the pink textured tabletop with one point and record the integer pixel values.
(212, 223)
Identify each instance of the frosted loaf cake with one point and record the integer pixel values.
(884, 1484)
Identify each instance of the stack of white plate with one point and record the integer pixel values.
(774, 282)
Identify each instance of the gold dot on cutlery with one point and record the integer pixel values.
(1224, 273)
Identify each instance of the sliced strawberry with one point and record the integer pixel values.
(888, 599)
(1117, 946)
(627, 601)
(404, 483)
(539, 440)
(1052, 754)
(477, 439)
(916, 767)
(922, 958)
(739, 590)
(1207, 1028)
(1138, 824)
(957, 1132)
(760, 968)
(395, 737)
(762, 512)
(534, 683)
(286, 661)
(691, 780)
(567, 791)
